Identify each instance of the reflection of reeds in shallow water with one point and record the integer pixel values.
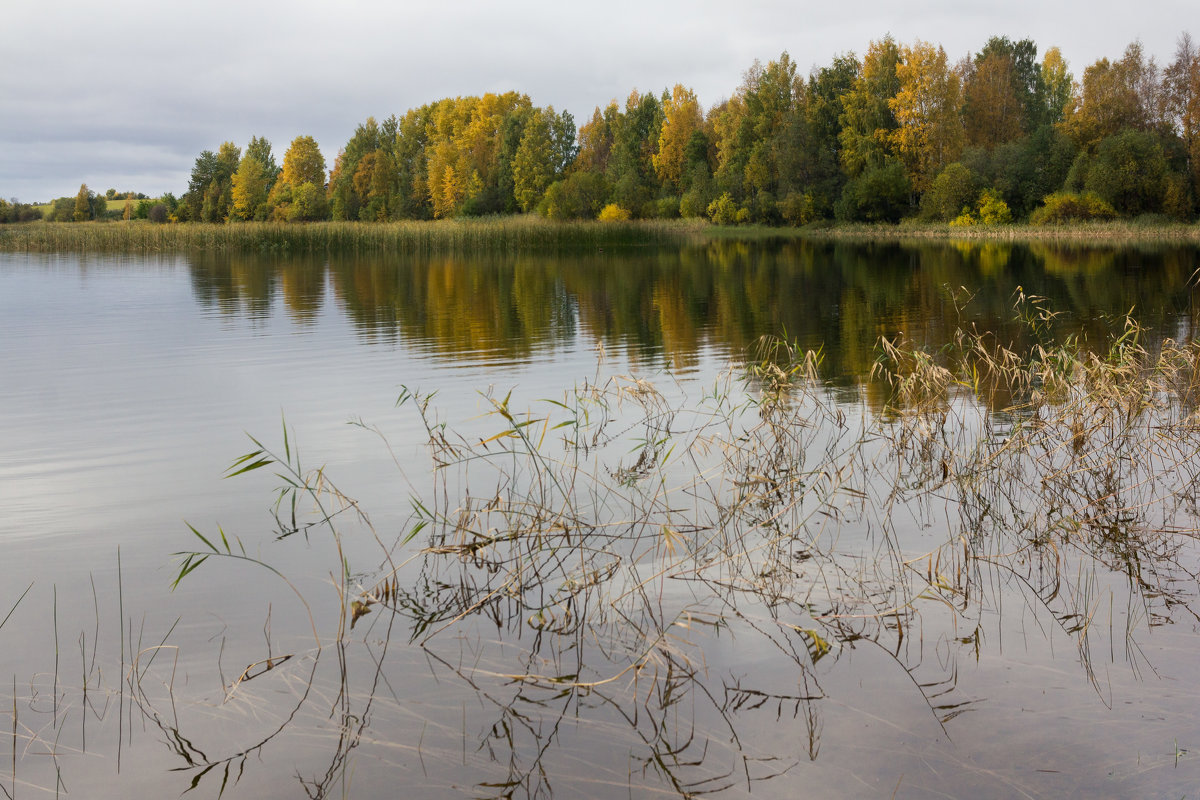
(631, 587)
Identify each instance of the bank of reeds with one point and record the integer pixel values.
(525, 234)
(1110, 232)
(495, 234)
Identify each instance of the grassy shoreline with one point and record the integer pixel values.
(524, 233)
(501, 234)
(1108, 232)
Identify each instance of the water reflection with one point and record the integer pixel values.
(933, 573)
(671, 306)
(773, 591)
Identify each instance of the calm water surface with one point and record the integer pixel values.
(643, 637)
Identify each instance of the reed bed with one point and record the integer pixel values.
(1080, 232)
(499, 234)
(519, 234)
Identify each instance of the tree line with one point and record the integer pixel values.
(901, 132)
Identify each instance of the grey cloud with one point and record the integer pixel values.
(128, 94)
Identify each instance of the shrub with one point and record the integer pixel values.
(613, 213)
(798, 209)
(580, 196)
(667, 207)
(1063, 207)
(951, 190)
(693, 204)
(963, 220)
(992, 208)
(878, 195)
(723, 211)
(1129, 171)
(1177, 198)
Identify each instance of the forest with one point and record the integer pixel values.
(899, 133)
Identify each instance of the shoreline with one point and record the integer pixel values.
(1085, 232)
(528, 233)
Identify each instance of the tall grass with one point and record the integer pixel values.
(1158, 229)
(498, 234)
(517, 234)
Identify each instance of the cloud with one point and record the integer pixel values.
(127, 95)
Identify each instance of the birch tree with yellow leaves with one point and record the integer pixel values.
(928, 109)
(681, 118)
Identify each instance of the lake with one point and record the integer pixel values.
(564, 525)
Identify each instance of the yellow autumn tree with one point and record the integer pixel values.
(928, 110)
(299, 194)
(1057, 79)
(596, 138)
(250, 189)
(682, 118)
(992, 111)
(303, 163)
(1113, 96)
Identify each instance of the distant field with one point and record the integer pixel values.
(117, 203)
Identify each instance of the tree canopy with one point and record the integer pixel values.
(901, 131)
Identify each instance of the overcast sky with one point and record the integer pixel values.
(126, 94)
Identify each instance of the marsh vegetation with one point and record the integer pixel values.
(466, 236)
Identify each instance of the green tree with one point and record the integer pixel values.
(1182, 95)
(83, 205)
(533, 165)
(822, 176)
(253, 180)
(1025, 77)
(881, 194)
(630, 168)
(580, 195)
(260, 150)
(209, 194)
(596, 139)
(1130, 172)
(867, 118)
(62, 210)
